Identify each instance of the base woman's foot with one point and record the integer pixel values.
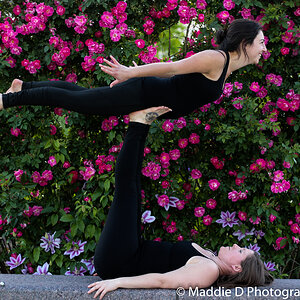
(147, 116)
(16, 86)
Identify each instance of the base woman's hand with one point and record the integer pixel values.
(102, 287)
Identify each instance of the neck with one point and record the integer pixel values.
(223, 268)
(237, 62)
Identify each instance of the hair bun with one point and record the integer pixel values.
(221, 35)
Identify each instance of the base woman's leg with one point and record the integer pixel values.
(123, 98)
(121, 235)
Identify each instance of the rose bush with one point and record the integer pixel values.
(230, 169)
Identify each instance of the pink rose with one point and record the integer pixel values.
(18, 174)
(199, 211)
(52, 161)
(207, 220)
(163, 200)
(196, 174)
(211, 203)
(140, 43)
(254, 87)
(213, 184)
(60, 10)
(272, 218)
(284, 51)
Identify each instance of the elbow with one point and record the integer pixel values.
(162, 282)
(167, 283)
(172, 69)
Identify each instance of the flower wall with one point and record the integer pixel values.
(228, 173)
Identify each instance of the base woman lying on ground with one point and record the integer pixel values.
(124, 260)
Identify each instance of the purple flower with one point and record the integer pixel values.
(42, 270)
(25, 270)
(147, 218)
(241, 234)
(76, 272)
(48, 242)
(15, 262)
(90, 265)
(259, 233)
(270, 266)
(76, 249)
(254, 248)
(227, 219)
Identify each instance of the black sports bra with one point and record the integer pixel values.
(183, 93)
(196, 89)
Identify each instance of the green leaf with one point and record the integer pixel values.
(90, 231)
(269, 239)
(81, 225)
(259, 211)
(74, 229)
(67, 218)
(96, 195)
(54, 219)
(56, 145)
(36, 254)
(106, 185)
(59, 261)
(48, 144)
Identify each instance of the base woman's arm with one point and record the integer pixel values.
(192, 275)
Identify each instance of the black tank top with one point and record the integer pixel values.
(161, 257)
(183, 93)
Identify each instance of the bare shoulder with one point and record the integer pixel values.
(214, 60)
(213, 267)
(206, 62)
(213, 55)
(202, 273)
(209, 272)
(206, 271)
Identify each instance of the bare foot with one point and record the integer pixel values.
(147, 116)
(16, 86)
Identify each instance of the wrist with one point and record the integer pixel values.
(118, 282)
(133, 72)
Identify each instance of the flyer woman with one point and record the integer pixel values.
(183, 85)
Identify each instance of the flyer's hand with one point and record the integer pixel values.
(119, 72)
(134, 63)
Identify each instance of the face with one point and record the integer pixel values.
(256, 49)
(233, 256)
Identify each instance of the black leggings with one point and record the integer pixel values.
(122, 99)
(121, 235)
(121, 251)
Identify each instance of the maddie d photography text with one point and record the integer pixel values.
(239, 292)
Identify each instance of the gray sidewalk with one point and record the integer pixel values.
(43, 287)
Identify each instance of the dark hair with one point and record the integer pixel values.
(254, 273)
(239, 32)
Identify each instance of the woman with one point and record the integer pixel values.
(125, 260)
(184, 85)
